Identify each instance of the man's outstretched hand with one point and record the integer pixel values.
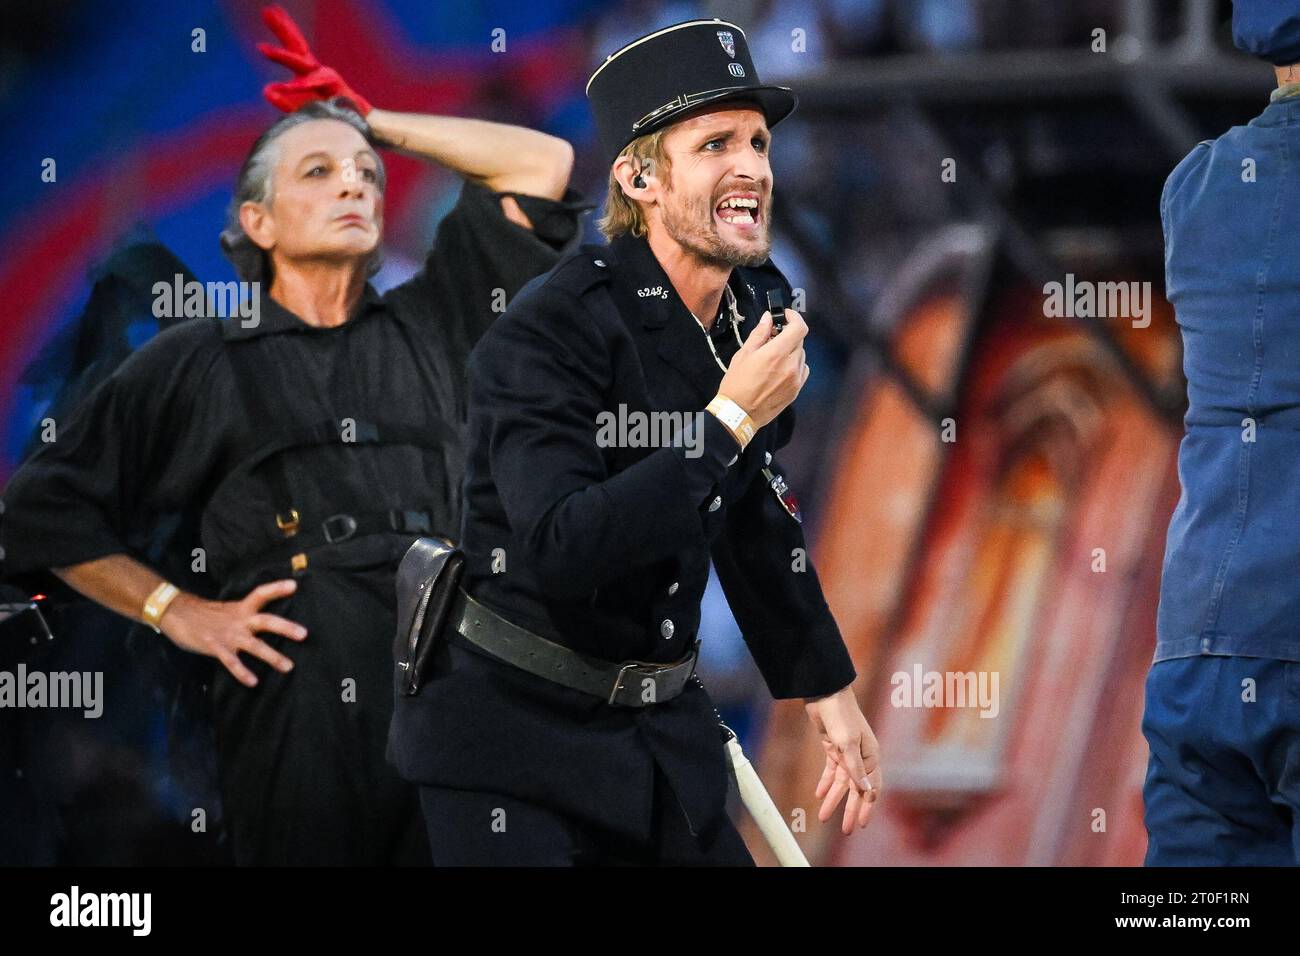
(852, 758)
(314, 81)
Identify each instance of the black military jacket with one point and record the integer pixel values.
(606, 549)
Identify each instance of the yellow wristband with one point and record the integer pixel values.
(156, 604)
(734, 418)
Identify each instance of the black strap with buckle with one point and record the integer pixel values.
(295, 551)
(284, 435)
(629, 684)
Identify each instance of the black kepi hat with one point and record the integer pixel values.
(653, 81)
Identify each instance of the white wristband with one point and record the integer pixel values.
(734, 418)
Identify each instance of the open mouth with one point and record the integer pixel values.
(740, 209)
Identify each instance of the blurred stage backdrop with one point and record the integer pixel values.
(986, 482)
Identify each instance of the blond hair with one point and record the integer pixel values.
(622, 212)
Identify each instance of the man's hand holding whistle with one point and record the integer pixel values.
(763, 378)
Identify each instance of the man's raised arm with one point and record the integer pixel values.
(504, 158)
(501, 157)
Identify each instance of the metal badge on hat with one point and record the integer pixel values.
(728, 42)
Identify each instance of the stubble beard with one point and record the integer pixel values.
(694, 229)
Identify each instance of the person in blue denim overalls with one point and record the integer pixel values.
(1223, 696)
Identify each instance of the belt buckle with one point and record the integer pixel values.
(349, 527)
(650, 669)
(618, 681)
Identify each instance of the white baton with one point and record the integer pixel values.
(760, 806)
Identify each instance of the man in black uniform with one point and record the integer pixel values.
(560, 722)
(317, 443)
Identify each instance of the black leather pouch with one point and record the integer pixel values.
(427, 583)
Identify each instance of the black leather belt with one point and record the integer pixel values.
(629, 684)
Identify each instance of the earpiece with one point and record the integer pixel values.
(638, 181)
